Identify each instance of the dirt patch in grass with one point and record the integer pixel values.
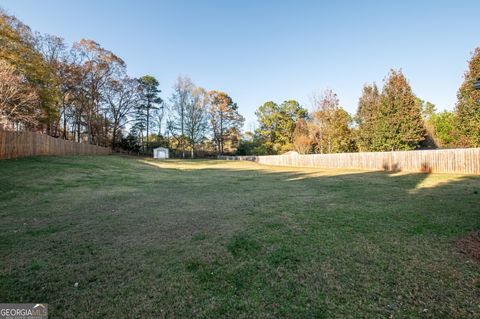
(470, 245)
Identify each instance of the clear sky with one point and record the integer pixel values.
(275, 50)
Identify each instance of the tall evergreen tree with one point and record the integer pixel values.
(150, 99)
(401, 124)
(393, 121)
(368, 106)
(468, 105)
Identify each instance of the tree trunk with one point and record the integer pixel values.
(182, 120)
(64, 125)
(148, 120)
(89, 130)
(221, 134)
(114, 136)
(78, 131)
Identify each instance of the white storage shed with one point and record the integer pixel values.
(160, 153)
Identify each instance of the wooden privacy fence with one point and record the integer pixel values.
(461, 161)
(21, 144)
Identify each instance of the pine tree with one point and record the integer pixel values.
(394, 121)
(468, 105)
(149, 92)
(368, 106)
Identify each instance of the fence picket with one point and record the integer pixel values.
(461, 161)
(21, 144)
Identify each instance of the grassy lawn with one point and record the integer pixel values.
(234, 239)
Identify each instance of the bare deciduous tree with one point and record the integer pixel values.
(99, 66)
(181, 96)
(121, 97)
(196, 117)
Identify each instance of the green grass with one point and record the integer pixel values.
(234, 239)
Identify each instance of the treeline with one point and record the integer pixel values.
(390, 119)
(83, 93)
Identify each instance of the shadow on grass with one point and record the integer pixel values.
(235, 239)
(443, 203)
(369, 237)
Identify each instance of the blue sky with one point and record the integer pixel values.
(275, 50)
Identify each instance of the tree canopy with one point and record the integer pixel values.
(84, 93)
(277, 123)
(390, 121)
(468, 105)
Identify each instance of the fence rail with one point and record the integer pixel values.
(21, 144)
(461, 161)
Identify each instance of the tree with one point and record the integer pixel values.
(149, 91)
(159, 116)
(445, 128)
(54, 52)
(139, 125)
(17, 48)
(277, 123)
(130, 143)
(400, 125)
(302, 141)
(70, 83)
(391, 121)
(82, 93)
(467, 108)
(181, 96)
(75, 97)
(98, 67)
(368, 109)
(267, 116)
(18, 99)
(428, 111)
(252, 143)
(290, 113)
(331, 126)
(121, 98)
(225, 120)
(196, 121)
